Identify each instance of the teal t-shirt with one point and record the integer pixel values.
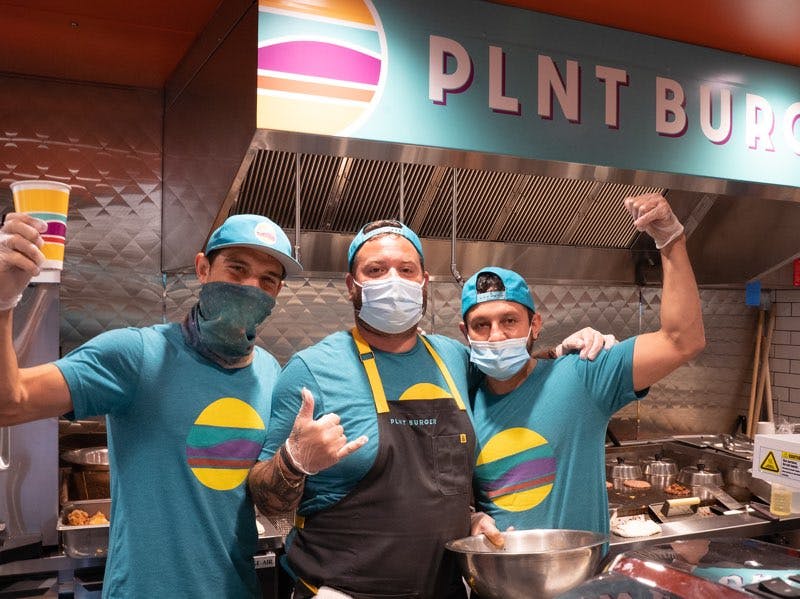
(182, 435)
(541, 448)
(334, 374)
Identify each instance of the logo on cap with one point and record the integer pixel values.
(265, 232)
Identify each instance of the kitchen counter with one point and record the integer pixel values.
(745, 525)
(57, 561)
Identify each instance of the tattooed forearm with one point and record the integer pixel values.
(275, 486)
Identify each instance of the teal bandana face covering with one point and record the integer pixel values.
(222, 325)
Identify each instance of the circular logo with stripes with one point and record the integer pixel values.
(515, 470)
(224, 442)
(321, 65)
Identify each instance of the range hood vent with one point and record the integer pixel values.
(339, 194)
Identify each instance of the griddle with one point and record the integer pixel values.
(632, 502)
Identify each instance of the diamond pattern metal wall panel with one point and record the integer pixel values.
(106, 143)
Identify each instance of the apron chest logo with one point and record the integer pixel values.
(413, 421)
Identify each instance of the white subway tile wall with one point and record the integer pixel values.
(785, 356)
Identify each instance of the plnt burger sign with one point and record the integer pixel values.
(477, 76)
(450, 71)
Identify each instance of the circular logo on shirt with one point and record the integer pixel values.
(321, 65)
(516, 469)
(224, 442)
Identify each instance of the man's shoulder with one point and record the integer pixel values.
(265, 358)
(445, 343)
(328, 351)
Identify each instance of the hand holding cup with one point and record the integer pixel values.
(21, 256)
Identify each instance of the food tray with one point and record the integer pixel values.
(90, 540)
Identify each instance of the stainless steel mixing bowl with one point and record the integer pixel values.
(533, 563)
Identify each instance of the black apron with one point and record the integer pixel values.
(386, 538)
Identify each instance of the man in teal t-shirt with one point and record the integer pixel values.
(540, 425)
(374, 522)
(186, 406)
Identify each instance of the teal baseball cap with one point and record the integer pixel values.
(516, 290)
(256, 232)
(395, 227)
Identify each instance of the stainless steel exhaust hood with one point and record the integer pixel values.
(555, 222)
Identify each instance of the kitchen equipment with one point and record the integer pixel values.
(90, 475)
(90, 540)
(683, 508)
(739, 476)
(624, 471)
(29, 452)
(701, 480)
(660, 472)
(660, 466)
(763, 511)
(533, 563)
(717, 493)
(699, 475)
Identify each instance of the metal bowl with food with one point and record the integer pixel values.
(532, 563)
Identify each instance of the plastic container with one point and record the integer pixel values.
(780, 502)
(796, 502)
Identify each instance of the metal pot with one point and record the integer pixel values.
(660, 467)
(660, 472)
(702, 480)
(700, 475)
(90, 475)
(739, 476)
(623, 471)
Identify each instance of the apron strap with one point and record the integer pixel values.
(445, 373)
(367, 358)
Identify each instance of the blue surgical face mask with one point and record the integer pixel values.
(222, 325)
(500, 359)
(391, 305)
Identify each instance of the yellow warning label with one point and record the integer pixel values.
(770, 463)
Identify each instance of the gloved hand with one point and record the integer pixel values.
(314, 445)
(20, 256)
(588, 341)
(482, 523)
(652, 213)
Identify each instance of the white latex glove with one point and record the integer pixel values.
(652, 214)
(314, 445)
(20, 256)
(587, 341)
(482, 523)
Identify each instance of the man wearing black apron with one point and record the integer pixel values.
(412, 501)
(373, 523)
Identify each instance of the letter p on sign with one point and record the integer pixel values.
(439, 80)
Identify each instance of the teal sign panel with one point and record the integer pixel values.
(476, 76)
